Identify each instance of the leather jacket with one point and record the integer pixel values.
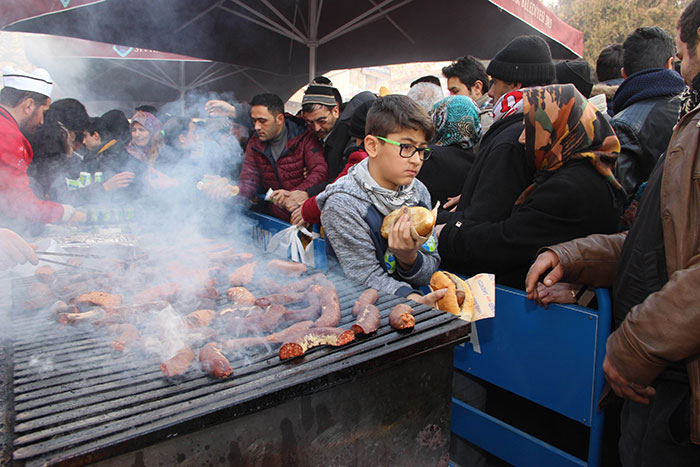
(665, 327)
(644, 130)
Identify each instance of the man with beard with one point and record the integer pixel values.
(321, 110)
(653, 357)
(24, 100)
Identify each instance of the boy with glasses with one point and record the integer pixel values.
(354, 207)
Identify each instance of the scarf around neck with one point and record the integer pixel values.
(508, 104)
(561, 125)
(384, 200)
(647, 84)
(690, 97)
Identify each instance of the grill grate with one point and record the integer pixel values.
(75, 401)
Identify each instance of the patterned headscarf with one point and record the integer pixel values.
(153, 126)
(561, 125)
(456, 120)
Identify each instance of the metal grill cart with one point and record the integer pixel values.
(69, 399)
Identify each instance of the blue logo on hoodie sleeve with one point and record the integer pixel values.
(390, 261)
(431, 245)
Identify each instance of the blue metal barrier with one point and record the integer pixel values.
(263, 227)
(553, 357)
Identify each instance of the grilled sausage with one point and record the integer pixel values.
(330, 308)
(132, 310)
(290, 332)
(178, 363)
(271, 318)
(268, 285)
(280, 299)
(367, 320)
(214, 362)
(276, 338)
(200, 318)
(240, 296)
(240, 311)
(102, 299)
(128, 335)
(74, 318)
(45, 274)
(167, 292)
(368, 297)
(243, 275)
(297, 346)
(401, 317)
(40, 295)
(207, 292)
(311, 312)
(288, 268)
(229, 256)
(304, 284)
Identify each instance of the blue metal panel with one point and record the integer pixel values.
(263, 227)
(320, 258)
(545, 355)
(508, 443)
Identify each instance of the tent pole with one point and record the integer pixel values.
(313, 37)
(182, 88)
(312, 62)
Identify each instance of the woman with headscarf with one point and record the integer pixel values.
(145, 144)
(457, 130)
(574, 193)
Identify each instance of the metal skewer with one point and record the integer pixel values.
(41, 258)
(76, 255)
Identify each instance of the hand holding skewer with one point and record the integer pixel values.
(14, 250)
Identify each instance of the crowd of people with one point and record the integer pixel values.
(595, 170)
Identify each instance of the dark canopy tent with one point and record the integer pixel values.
(105, 76)
(291, 40)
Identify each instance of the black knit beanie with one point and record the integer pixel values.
(576, 72)
(526, 60)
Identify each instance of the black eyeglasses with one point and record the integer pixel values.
(408, 150)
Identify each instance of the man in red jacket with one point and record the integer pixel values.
(284, 155)
(24, 100)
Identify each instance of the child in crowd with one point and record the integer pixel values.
(353, 208)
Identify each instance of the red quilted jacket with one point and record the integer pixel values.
(309, 210)
(303, 153)
(17, 200)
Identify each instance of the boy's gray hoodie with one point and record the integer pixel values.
(352, 225)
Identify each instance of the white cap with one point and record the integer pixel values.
(38, 81)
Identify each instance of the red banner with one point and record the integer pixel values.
(13, 11)
(69, 47)
(544, 20)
